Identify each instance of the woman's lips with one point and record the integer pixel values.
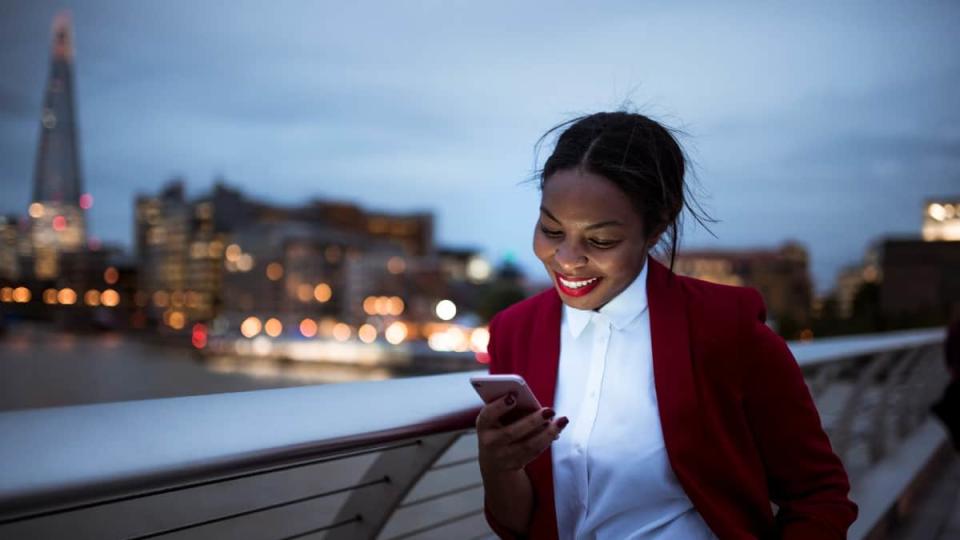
(575, 286)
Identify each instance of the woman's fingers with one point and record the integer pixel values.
(525, 451)
(529, 424)
(491, 412)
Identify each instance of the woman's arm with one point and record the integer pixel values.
(806, 479)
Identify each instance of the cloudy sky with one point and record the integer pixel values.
(829, 124)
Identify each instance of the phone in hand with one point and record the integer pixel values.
(493, 387)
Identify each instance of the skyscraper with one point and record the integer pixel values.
(57, 210)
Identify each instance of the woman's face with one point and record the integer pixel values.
(589, 237)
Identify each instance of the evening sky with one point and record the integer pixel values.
(825, 122)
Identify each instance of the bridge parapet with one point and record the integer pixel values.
(389, 459)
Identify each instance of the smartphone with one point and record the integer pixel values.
(493, 387)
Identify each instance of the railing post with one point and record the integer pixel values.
(403, 469)
(843, 434)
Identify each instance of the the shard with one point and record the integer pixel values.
(57, 208)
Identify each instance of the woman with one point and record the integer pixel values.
(670, 409)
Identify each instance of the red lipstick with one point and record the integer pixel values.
(588, 285)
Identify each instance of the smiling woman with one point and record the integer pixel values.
(687, 416)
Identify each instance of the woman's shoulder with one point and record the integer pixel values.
(719, 300)
(524, 312)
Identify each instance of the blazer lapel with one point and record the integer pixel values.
(544, 352)
(673, 372)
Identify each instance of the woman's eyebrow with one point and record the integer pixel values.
(609, 223)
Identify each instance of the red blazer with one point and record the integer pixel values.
(739, 426)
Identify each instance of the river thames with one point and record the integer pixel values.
(42, 366)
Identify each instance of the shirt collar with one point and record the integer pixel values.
(621, 311)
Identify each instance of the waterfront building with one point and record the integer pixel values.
(941, 219)
(10, 240)
(921, 281)
(781, 275)
(57, 209)
(225, 256)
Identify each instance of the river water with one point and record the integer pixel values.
(42, 366)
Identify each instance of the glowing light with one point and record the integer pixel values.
(176, 299)
(304, 292)
(274, 271)
(479, 339)
(322, 292)
(86, 201)
(446, 310)
(395, 305)
(451, 339)
(382, 305)
(262, 345)
(6, 294)
(478, 269)
(370, 305)
(199, 337)
(21, 295)
(50, 296)
(806, 335)
(35, 210)
(161, 298)
(396, 333)
(59, 223)
(273, 327)
(308, 327)
(110, 298)
(341, 332)
(396, 265)
(92, 298)
(177, 320)
(326, 326)
(233, 253)
(937, 211)
(67, 296)
(110, 275)
(367, 333)
(250, 327)
(245, 263)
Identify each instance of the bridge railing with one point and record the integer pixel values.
(390, 459)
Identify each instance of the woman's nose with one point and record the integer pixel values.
(569, 257)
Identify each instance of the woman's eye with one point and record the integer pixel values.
(604, 244)
(550, 233)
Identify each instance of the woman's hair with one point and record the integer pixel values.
(639, 156)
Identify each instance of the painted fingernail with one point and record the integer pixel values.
(562, 422)
(548, 414)
(510, 401)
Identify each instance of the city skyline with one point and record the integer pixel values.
(835, 121)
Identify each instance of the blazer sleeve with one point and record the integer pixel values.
(497, 366)
(805, 478)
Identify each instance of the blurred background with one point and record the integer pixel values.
(202, 197)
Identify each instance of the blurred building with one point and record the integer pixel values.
(781, 275)
(10, 239)
(851, 280)
(58, 224)
(921, 281)
(225, 256)
(941, 219)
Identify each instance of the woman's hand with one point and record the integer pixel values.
(509, 448)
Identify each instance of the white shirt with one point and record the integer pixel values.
(612, 478)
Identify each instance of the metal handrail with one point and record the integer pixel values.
(157, 443)
(63, 459)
